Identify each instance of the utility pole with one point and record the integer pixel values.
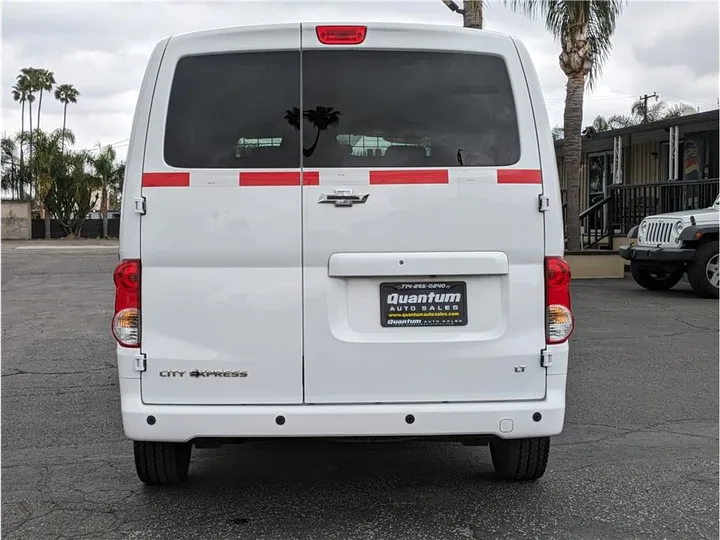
(472, 12)
(644, 99)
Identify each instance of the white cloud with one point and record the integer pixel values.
(102, 48)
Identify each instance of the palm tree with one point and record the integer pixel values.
(48, 162)
(601, 123)
(28, 79)
(639, 114)
(10, 180)
(584, 29)
(45, 80)
(21, 93)
(73, 194)
(321, 118)
(108, 171)
(472, 12)
(66, 94)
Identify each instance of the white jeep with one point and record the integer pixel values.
(668, 245)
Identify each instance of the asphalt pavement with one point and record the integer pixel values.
(638, 457)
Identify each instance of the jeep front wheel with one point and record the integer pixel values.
(162, 463)
(703, 272)
(520, 459)
(655, 280)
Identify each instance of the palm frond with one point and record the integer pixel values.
(565, 19)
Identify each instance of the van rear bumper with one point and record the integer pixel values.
(182, 423)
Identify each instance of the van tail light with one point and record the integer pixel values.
(560, 322)
(126, 321)
(341, 35)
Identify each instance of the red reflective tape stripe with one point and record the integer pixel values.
(280, 178)
(170, 179)
(409, 177)
(311, 178)
(519, 176)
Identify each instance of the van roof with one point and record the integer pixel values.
(370, 24)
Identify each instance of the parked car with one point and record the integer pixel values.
(279, 278)
(667, 246)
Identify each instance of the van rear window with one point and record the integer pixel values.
(229, 111)
(407, 109)
(362, 108)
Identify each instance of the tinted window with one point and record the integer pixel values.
(234, 111)
(407, 109)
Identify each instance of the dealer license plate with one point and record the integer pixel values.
(431, 303)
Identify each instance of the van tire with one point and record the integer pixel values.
(520, 459)
(706, 254)
(652, 281)
(162, 463)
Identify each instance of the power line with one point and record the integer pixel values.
(688, 100)
(117, 144)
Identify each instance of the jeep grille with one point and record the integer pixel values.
(658, 232)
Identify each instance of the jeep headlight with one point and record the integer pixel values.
(679, 226)
(643, 226)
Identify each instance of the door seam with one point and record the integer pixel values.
(302, 215)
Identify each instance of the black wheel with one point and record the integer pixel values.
(703, 270)
(655, 280)
(520, 459)
(162, 463)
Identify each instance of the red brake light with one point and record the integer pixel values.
(126, 321)
(560, 321)
(341, 35)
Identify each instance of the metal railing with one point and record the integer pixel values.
(634, 202)
(594, 225)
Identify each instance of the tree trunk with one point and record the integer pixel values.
(48, 234)
(63, 131)
(30, 169)
(572, 153)
(104, 211)
(309, 151)
(39, 107)
(473, 14)
(22, 153)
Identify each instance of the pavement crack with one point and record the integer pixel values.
(651, 428)
(696, 325)
(14, 528)
(644, 337)
(25, 372)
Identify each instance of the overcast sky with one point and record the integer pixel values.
(102, 48)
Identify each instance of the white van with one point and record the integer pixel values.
(387, 263)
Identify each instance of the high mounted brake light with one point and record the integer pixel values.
(126, 321)
(341, 35)
(560, 321)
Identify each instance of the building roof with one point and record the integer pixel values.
(698, 118)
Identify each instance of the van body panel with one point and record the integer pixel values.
(221, 263)
(284, 257)
(419, 214)
(132, 189)
(553, 217)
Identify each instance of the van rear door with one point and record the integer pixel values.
(423, 246)
(221, 238)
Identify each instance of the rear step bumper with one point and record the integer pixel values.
(180, 423)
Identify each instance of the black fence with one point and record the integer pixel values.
(627, 205)
(630, 204)
(92, 228)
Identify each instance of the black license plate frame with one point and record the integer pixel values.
(423, 304)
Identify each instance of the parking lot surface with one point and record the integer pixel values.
(638, 458)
